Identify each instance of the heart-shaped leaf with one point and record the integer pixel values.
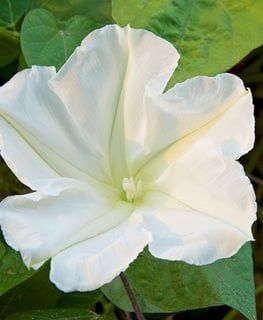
(163, 286)
(46, 41)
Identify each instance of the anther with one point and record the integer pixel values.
(132, 189)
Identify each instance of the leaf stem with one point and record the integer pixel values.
(134, 302)
(9, 33)
(255, 179)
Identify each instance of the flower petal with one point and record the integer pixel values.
(103, 84)
(41, 225)
(219, 107)
(92, 263)
(181, 233)
(38, 139)
(215, 190)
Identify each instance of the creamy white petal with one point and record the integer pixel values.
(219, 107)
(181, 233)
(21, 158)
(92, 263)
(41, 225)
(38, 138)
(207, 184)
(103, 84)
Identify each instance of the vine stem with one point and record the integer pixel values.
(134, 302)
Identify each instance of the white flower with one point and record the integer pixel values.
(117, 164)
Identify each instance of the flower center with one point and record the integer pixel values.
(131, 188)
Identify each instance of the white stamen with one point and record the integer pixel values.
(133, 190)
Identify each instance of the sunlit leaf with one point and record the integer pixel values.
(211, 36)
(97, 10)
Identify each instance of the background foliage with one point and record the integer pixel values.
(212, 37)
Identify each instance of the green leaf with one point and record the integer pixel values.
(11, 11)
(88, 300)
(162, 286)
(12, 270)
(211, 36)
(97, 10)
(46, 41)
(9, 184)
(21, 62)
(60, 314)
(80, 299)
(35, 293)
(9, 46)
(2, 250)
